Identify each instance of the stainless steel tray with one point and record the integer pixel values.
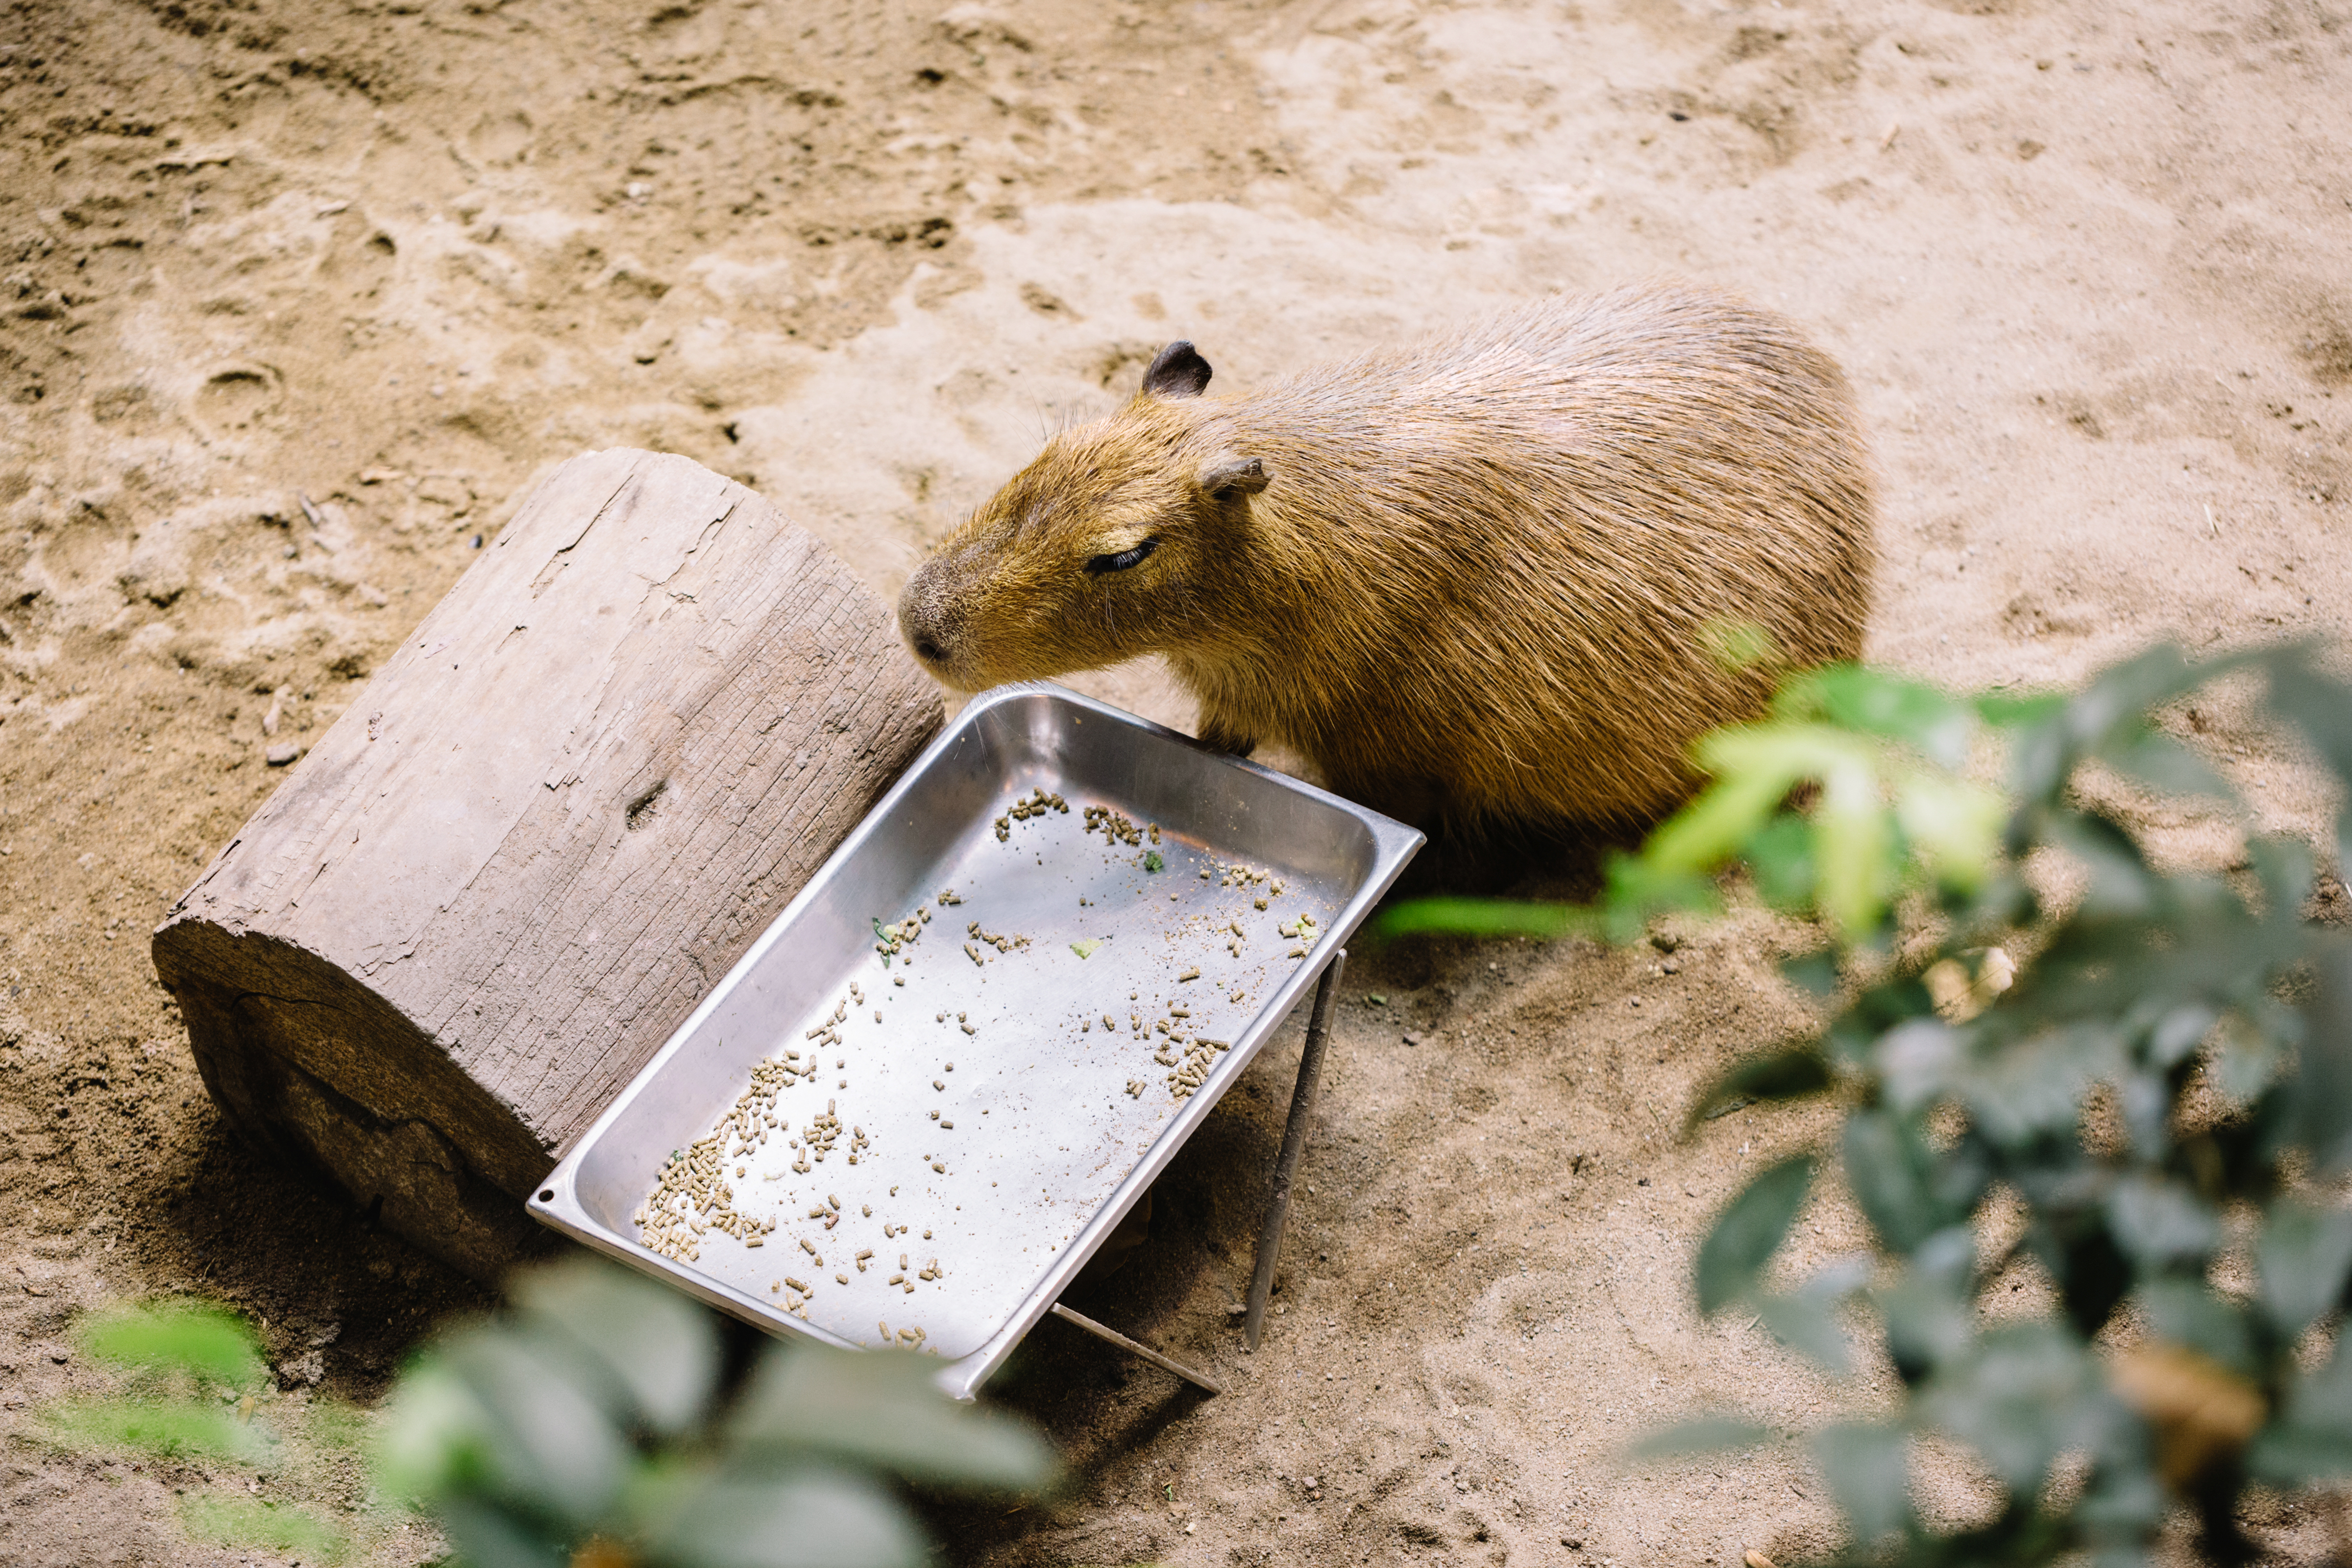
(1010, 1167)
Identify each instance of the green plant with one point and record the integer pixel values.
(2150, 1080)
(586, 1427)
(198, 1391)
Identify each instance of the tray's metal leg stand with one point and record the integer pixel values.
(1294, 1143)
(1136, 1347)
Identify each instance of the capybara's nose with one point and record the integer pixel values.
(919, 620)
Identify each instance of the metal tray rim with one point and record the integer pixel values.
(557, 1206)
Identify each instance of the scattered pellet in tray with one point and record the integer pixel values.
(1001, 944)
(1200, 1057)
(1114, 827)
(692, 1196)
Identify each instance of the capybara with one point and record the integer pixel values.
(1508, 573)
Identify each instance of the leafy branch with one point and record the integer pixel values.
(2138, 1068)
(588, 1427)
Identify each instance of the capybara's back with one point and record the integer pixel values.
(1510, 572)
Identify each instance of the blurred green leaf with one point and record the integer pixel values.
(2305, 1258)
(2180, 1031)
(1635, 891)
(2323, 1098)
(166, 1428)
(2247, 1058)
(2311, 1440)
(1749, 1231)
(1919, 1062)
(1705, 1434)
(1874, 702)
(2041, 760)
(433, 1434)
(2034, 1089)
(2116, 701)
(2187, 1311)
(2121, 882)
(1482, 918)
(489, 1409)
(2161, 1224)
(1954, 825)
(2290, 1455)
(1853, 835)
(1928, 1311)
(483, 1534)
(2321, 707)
(1806, 1318)
(1750, 784)
(1887, 1164)
(2163, 764)
(882, 1408)
(2024, 1394)
(2003, 712)
(1790, 1074)
(809, 1516)
(253, 1522)
(1868, 1468)
(1734, 643)
(1780, 857)
(195, 1337)
(651, 1342)
(1814, 974)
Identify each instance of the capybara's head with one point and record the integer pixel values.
(1108, 546)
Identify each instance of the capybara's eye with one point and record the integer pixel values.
(1123, 559)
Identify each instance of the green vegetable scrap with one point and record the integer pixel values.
(1152, 862)
(1085, 946)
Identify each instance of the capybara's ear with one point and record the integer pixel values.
(1232, 475)
(1177, 372)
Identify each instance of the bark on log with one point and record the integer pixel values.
(553, 818)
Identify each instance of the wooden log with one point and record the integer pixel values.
(552, 820)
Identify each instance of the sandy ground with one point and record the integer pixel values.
(299, 297)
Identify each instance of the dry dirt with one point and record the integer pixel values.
(299, 295)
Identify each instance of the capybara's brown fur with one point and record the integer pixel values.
(1507, 574)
